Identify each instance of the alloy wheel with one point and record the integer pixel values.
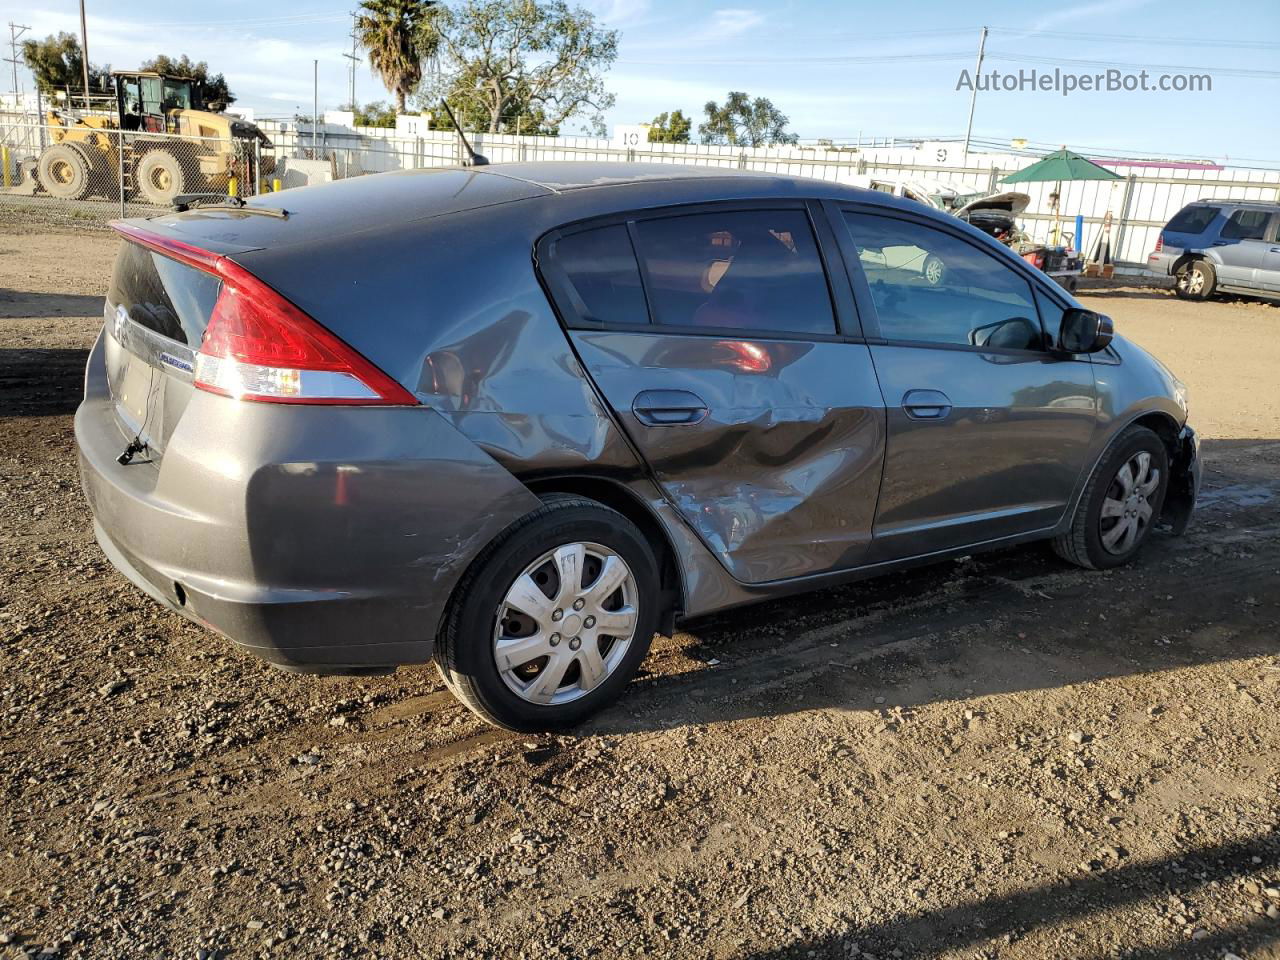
(1126, 511)
(1192, 281)
(566, 623)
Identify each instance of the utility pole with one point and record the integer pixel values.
(84, 54)
(315, 102)
(354, 60)
(973, 97)
(16, 30)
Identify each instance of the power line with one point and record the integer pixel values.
(836, 60)
(1106, 64)
(1135, 38)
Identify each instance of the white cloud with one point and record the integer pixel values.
(732, 22)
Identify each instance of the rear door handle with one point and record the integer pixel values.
(926, 404)
(668, 408)
(1219, 243)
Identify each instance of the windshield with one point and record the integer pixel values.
(177, 95)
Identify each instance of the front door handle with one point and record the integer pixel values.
(668, 408)
(926, 404)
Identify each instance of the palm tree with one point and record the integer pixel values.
(397, 36)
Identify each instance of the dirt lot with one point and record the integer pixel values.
(999, 757)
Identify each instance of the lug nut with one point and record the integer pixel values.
(579, 604)
(555, 639)
(575, 643)
(557, 615)
(589, 622)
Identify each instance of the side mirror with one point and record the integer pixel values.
(1083, 331)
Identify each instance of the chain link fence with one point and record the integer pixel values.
(80, 171)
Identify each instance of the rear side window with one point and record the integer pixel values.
(1192, 219)
(602, 272)
(930, 286)
(736, 269)
(163, 295)
(1246, 225)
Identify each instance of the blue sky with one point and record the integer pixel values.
(836, 69)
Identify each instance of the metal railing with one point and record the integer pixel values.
(126, 174)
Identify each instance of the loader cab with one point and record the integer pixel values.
(145, 101)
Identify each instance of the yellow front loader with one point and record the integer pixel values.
(160, 143)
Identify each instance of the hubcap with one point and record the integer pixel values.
(933, 271)
(1126, 511)
(566, 623)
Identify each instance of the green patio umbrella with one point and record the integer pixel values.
(1055, 168)
(1063, 165)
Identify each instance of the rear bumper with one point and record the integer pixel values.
(316, 537)
(1161, 262)
(1184, 482)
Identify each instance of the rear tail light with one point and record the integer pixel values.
(1159, 242)
(259, 346)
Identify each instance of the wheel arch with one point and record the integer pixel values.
(618, 497)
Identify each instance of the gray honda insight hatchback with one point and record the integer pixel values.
(519, 418)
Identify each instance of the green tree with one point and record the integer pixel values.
(398, 37)
(58, 65)
(670, 128)
(215, 84)
(376, 114)
(743, 122)
(522, 65)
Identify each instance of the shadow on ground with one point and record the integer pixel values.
(22, 303)
(1003, 622)
(1069, 904)
(39, 383)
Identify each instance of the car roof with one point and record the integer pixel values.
(559, 176)
(1216, 202)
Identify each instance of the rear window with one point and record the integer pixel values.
(1192, 219)
(740, 270)
(602, 271)
(163, 295)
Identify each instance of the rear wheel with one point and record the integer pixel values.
(553, 619)
(64, 172)
(1196, 281)
(1120, 504)
(934, 270)
(160, 177)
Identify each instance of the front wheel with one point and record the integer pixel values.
(1120, 504)
(553, 619)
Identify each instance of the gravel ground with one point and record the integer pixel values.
(1001, 757)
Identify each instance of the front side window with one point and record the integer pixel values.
(736, 269)
(930, 286)
(1246, 225)
(177, 95)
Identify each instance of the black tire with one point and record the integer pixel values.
(1083, 544)
(64, 172)
(465, 647)
(933, 270)
(160, 177)
(1196, 281)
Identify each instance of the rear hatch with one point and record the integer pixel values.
(171, 272)
(1188, 229)
(156, 313)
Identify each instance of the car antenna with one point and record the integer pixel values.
(473, 159)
